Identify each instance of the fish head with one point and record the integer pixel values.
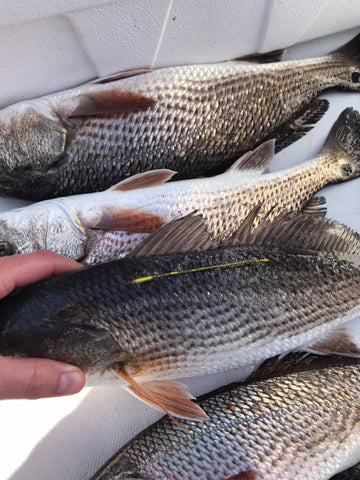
(23, 230)
(32, 148)
(43, 225)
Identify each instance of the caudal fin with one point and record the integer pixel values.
(347, 75)
(344, 144)
(350, 49)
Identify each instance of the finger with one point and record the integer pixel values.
(37, 378)
(21, 270)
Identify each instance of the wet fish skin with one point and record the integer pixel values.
(296, 427)
(224, 201)
(98, 318)
(192, 119)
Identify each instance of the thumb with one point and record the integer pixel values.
(38, 378)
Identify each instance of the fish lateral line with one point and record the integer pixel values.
(239, 263)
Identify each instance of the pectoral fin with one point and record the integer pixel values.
(106, 102)
(167, 396)
(130, 220)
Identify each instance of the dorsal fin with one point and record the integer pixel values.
(290, 232)
(295, 362)
(106, 102)
(256, 160)
(121, 75)
(152, 178)
(314, 207)
(268, 57)
(299, 233)
(178, 236)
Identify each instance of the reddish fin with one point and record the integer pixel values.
(249, 475)
(121, 75)
(107, 102)
(257, 159)
(153, 178)
(341, 342)
(132, 221)
(168, 396)
(268, 57)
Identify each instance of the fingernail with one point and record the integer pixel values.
(70, 382)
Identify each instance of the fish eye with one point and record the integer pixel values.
(355, 77)
(5, 249)
(346, 170)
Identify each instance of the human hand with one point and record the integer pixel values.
(35, 377)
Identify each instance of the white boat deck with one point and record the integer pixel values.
(51, 45)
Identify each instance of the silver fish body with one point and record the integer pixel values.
(300, 426)
(191, 119)
(157, 318)
(108, 225)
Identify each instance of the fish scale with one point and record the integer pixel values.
(193, 119)
(107, 225)
(235, 315)
(301, 426)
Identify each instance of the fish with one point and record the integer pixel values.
(194, 119)
(104, 226)
(297, 425)
(352, 473)
(195, 308)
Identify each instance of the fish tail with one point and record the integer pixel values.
(343, 146)
(347, 74)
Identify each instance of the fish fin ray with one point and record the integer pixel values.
(267, 57)
(295, 362)
(300, 124)
(256, 160)
(131, 220)
(152, 178)
(313, 207)
(120, 75)
(340, 341)
(180, 235)
(298, 233)
(168, 396)
(344, 137)
(106, 102)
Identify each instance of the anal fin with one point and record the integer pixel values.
(168, 396)
(300, 124)
(255, 160)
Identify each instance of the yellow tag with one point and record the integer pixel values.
(199, 269)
